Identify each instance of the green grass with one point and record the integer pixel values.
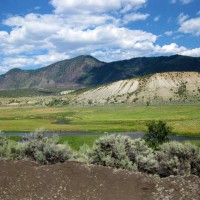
(14, 138)
(194, 142)
(75, 142)
(185, 120)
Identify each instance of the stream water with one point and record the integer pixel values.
(130, 134)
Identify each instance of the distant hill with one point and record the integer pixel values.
(168, 87)
(87, 71)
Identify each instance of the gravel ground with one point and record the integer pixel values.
(25, 180)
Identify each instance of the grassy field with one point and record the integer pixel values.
(185, 120)
(75, 142)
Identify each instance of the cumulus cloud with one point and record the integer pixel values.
(82, 6)
(191, 26)
(191, 52)
(172, 48)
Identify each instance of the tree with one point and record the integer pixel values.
(157, 133)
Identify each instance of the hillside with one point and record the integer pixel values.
(158, 88)
(86, 71)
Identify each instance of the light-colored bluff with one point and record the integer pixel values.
(158, 88)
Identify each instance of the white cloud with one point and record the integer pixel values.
(91, 6)
(191, 52)
(172, 48)
(135, 17)
(38, 60)
(11, 62)
(191, 26)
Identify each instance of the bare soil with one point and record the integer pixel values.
(25, 180)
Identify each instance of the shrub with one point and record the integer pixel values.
(122, 152)
(143, 156)
(157, 133)
(175, 158)
(46, 151)
(18, 151)
(42, 150)
(111, 151)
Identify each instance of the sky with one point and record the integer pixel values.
(36, 33)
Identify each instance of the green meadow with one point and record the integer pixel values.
(185, 120)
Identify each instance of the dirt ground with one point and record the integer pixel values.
(25, 180)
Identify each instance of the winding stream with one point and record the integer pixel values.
(130, 134)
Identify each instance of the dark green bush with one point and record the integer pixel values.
(157, 133)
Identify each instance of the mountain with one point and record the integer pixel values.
(168, 87)
(64, 74)
(126, 69)
(87, 71)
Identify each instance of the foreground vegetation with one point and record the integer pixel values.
(170, 158)
(185, 120)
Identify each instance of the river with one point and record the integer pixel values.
(130, 134)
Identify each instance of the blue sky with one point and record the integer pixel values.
(35, 33)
